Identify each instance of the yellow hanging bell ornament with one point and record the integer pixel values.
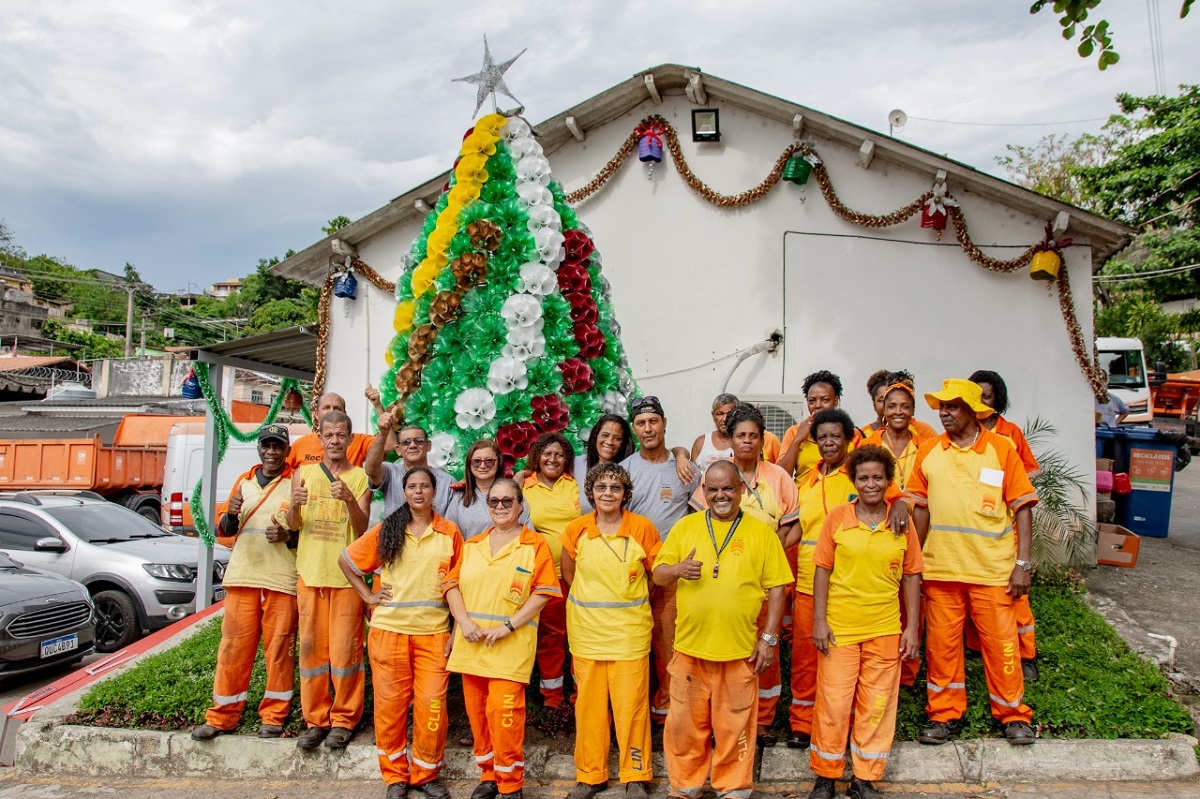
(1047, 257)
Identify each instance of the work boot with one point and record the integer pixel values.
(862, 789)
(311, 738)
(397, 790)
(485, 790)
(766, 738)
(338, 738)
(1029, 669)
(432, 790)
(939, 732)
(635, 790)
(799, 740)
(206, 732)
(517, 794)
(270, 730)
(1018, 733)
(584, 791)
(823, 788)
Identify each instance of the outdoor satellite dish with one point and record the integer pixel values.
(897, 119)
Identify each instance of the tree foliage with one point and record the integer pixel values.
(1094, 38)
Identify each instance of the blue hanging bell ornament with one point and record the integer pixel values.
(346, 284)
(650, 146)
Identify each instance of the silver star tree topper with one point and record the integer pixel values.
(490, 79)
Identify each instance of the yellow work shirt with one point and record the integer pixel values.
(551, 510)
(809, 455)
(325, 526)
(493, 589)
(771, 498)
(718, 616)
(608, 609)
(417, 606)
(906, 459)
(973, 493)
(256, 562)
(867, 566)
(819, 494)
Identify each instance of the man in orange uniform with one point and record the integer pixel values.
(307, 449)
(260, 595)
(329, 508)
(718, 651)
(971, 492)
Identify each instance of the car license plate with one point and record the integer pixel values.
(218, 594)
(56, 646)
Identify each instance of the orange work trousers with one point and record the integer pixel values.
(769, 682)
(711, 727)
(552, 648)
(332, 677)
(496, 710)
(863, 679)
(409, 670)
(947, 607)
(662, 648)
(252, 614)
(804, 665)
(625, 684)
(1026, 627)
(910, 667)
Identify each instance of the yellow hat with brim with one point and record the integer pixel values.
(958, 389)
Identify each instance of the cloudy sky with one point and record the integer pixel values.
(192, 138)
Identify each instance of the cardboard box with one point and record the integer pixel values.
(1117, 546)
(1104, 464)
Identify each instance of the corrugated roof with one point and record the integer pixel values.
(290, 353)
(15, 363)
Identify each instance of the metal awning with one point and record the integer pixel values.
(286, 353)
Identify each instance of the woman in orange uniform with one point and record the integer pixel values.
(553, 500)
(502, 581)
(877, 384)
(800, 452)
(411, 552)
(611, 441)
(607, 559)
(861, 565)
(995, 396)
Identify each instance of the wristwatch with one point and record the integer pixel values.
(772, 640)
(1026, 565)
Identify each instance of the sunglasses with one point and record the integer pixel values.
(642, 402)
(420, 442)
(501, 502)
(483, 462)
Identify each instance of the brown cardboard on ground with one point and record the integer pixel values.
(1117, 546)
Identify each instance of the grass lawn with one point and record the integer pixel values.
(1092, 685)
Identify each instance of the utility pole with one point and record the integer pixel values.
(143, 352)
(129, 323)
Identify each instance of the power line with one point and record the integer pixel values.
(1009, 124)
(1174, 270)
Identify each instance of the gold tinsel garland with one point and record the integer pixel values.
(1092, 373)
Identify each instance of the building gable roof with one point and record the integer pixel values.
(1107, 237)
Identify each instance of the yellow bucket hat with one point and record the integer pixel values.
(965, 390)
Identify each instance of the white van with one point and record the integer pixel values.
(1124, 360)
(185, 466)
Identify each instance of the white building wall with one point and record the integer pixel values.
(693, 284)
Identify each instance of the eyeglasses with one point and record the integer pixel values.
(501, 502)
(483, 462)
(420, 442)
(608, 488)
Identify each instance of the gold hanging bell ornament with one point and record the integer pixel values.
(1047, 257)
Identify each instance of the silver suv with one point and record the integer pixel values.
(141, 577)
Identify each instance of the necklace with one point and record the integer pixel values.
(872, 523)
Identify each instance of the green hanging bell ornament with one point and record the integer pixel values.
(797, 169)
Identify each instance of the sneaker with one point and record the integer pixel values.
(584, 791)
(939, 732)
(862, 789)
(1029, 669)
(339, 738)
(397, 790)
(485, 790)
(433, 790)
(270, 730)
(823, 788)
(799, 740)
(206, 732)
(1019, 733)
(311, 738)
(635, 790)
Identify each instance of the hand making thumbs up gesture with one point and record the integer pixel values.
(299, 494)
(234, 507)
(689, 567)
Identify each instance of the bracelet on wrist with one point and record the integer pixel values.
(509, 625)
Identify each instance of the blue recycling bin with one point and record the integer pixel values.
(1150, 463)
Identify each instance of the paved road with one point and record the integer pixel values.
(13, 688)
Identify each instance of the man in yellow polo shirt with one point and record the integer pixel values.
(971, 492)
(724, 562)
(329, 507)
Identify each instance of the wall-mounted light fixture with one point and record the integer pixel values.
(706, 124)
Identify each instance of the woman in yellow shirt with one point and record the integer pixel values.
(607, 559)
(553, 500)
(861, 564)
(800, 452)
(410, 552)
(901, 435)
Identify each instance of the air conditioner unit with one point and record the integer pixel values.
(781, 411)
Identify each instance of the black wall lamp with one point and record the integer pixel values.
(706, 124)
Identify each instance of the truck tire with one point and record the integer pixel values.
(144, 505)
(117, 623)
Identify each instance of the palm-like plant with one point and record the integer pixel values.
(1064, 528)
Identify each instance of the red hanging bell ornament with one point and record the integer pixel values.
(933, 213)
